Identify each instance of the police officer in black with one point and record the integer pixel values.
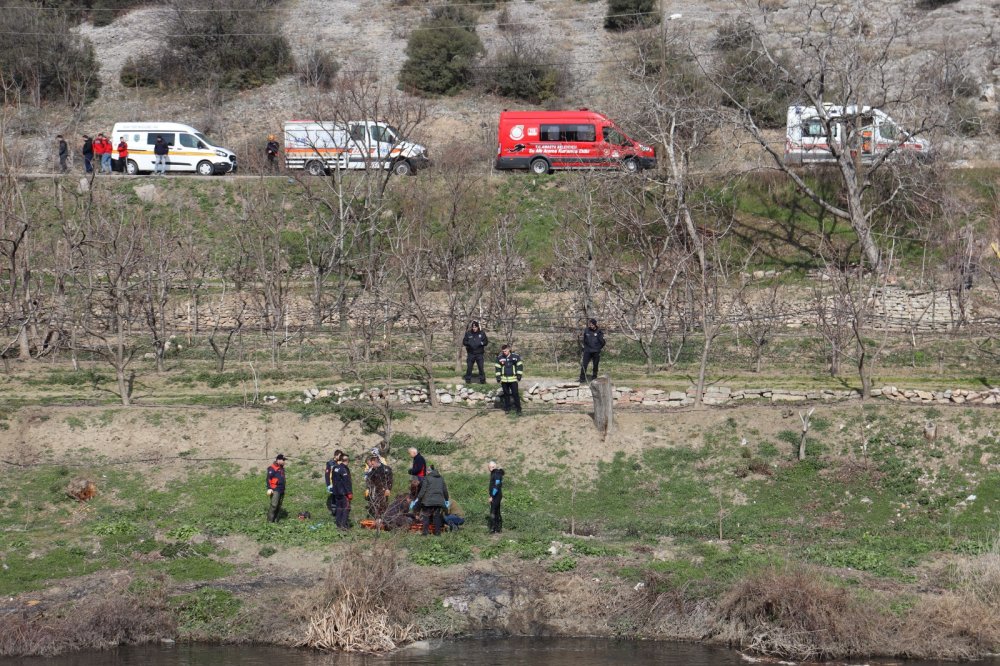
(475, 342)
(496, 496)
(592, 342)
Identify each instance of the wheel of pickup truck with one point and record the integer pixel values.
(315, 168)
(631, 165)
(539, 166)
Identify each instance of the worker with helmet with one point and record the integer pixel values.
(272, 153)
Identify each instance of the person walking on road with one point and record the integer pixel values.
(63, 154)
(88, 154)
(475, 342)
(275, 487)
(496, 496)
(272, 153)
(592, 342)
(509, 369)
(433, 499)
(160, 152)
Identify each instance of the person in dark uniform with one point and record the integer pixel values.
(433, 499)
(328, 479)
(88, 154)
(475, 342)
(592, 342)
(419, 468)
(342, 493)
(272, 153)
(63, 154)
(378, 487)
(496, 496)
(275, 487)
(509, 370)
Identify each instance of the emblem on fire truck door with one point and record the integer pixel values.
(517, 132)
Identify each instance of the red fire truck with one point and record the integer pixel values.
(542, 141)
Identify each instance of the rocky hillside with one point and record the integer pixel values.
(372, 34)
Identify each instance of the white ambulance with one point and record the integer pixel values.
(319, 147)
(809, 137)
(190, 150)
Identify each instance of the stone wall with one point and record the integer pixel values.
(572, 393)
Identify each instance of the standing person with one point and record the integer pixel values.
(496, 496)
(433, 498)
(592, 342)
(328, 479)
(272, 153)
(88, 154)
(160, 151)
(378, 483)
(475, 342)
(418, 470)
(509, 371)
(63, 154)
(123, 154)
(275, 487)
(342, 493)
(102, 148)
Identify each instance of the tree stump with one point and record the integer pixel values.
(604, 400)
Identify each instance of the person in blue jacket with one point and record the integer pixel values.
(496, 496)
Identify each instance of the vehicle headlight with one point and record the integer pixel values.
(221, 153)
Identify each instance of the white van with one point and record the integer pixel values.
(319, 147)
(190, 150)
(807, 140)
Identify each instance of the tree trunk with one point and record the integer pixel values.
(604, 399)
(702, 368)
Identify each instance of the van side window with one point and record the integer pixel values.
(888, 130)
(613, 136)
(189, 141)
(813, 127)
(168, 138)
(358, 133)
(585, 133)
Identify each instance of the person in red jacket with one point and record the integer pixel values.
(275, 487)
(123, 155)
(102, 148)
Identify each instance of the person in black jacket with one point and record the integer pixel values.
(433, 498)
(592, 342)
(496, 496)
(378, 483)
(475, 342)
(272, 153)
(88, 154)
(509, 369)
(275, 482)
(328, 479)
(419, 468)
(342, 493)
(160, 151)
(63, 154)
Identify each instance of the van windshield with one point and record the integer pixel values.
(204, 138)
(614, 137)
(888, 130)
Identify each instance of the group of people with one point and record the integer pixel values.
(427, 499)
(100, 150)
(509, 366)
(97, 149)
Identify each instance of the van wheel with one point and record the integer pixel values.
(539, 167)
(402, 168)
(316, 168)
(131, 168)
(205, 168)
(631, 165)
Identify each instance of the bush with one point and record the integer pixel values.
(525, 72)
(44, 60)
(440, 53)
(98, 12)
(318, 70)
(631, 14)
(235, 46)
(754, 82)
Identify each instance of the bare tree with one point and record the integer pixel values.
(847, 56)
(157, 271)
(505, 271)
(757, 316)
(219, 310)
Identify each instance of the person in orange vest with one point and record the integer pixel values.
(275, 487)
(123, 155)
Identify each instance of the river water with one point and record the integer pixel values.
(479, 652)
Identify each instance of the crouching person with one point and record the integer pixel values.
(433, 498)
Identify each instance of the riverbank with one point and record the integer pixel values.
(698, 525)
